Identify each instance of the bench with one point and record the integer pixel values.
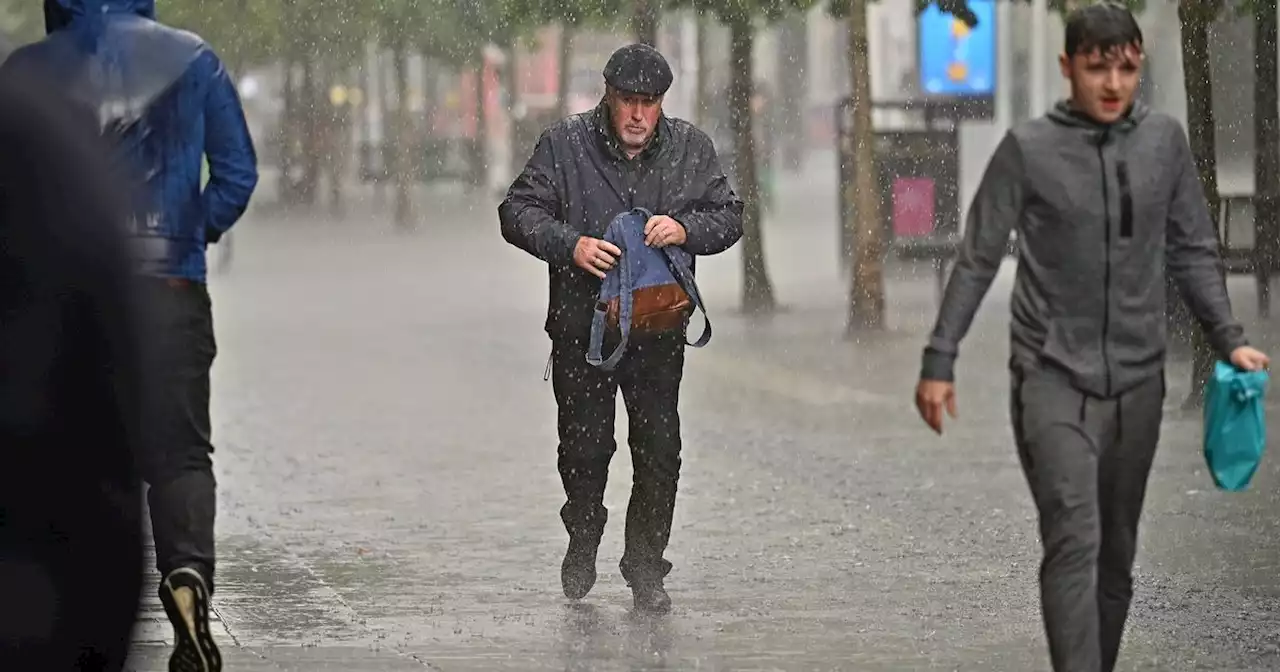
(1238, 259)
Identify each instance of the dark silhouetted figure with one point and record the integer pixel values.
(70, 388)
(166, 105)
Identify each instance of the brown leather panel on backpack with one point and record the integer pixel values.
(654, 309)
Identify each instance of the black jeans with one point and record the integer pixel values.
(649, 377)
(178, 465)
(1087, 461)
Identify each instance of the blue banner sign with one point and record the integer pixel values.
(955, 59)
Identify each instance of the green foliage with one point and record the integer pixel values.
(957, 8)
(244, 32)
(1060, 6)
(732, 12)
(502, 22)
(961, 10)
(258, 31)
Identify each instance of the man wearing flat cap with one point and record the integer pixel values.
(585, 170)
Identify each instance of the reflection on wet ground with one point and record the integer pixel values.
(641, 642)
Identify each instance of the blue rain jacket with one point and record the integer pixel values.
(165, 102)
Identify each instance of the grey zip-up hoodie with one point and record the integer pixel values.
(1100, 210)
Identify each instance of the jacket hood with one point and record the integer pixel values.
(1066, 114)
(59, 14)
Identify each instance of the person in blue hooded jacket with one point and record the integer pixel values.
(166, 104)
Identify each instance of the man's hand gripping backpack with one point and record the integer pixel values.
(650, 290)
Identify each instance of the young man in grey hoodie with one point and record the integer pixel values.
(1103, 194)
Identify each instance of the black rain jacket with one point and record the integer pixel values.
(579, 179)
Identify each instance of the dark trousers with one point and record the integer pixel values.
(178, 465)
(649, 377)
(1087, 461)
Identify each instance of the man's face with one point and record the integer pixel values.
(635, 117)
(1103, 83)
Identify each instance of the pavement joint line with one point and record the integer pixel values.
(261, 651)
(235, 641)
(257, 654)
(415, 658)
(284, 554)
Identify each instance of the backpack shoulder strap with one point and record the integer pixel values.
(684, 275)
(599, 322)
(599, 319)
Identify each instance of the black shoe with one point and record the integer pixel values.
(185, 597)
(578, 571)
(651, 597)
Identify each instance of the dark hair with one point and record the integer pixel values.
(1101, 27)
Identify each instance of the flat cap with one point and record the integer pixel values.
(638, 68)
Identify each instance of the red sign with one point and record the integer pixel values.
(913, 206)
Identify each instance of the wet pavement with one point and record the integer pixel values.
(389, 498)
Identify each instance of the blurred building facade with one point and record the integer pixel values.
(804, 64)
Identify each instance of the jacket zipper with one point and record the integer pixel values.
(1106, 276)
(1126, 201)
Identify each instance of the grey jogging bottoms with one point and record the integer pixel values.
(1086, 460)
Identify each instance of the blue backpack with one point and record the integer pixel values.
(1235, 428)
(650, 290)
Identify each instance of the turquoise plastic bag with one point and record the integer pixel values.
(1235, 427)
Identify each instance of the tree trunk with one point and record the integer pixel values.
(401, 139)
(565, 79)
(429, 109)
(757, 290)
(1266, 143)
(479, 168)
(704, 70)
(290, 115)
(516, 127)
(386, 149)
(866, 295)
(509, 81)
(645, 22)
(310, 132)
(334, 135)
(1197, 75)
(792, 89)
(286, 134)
